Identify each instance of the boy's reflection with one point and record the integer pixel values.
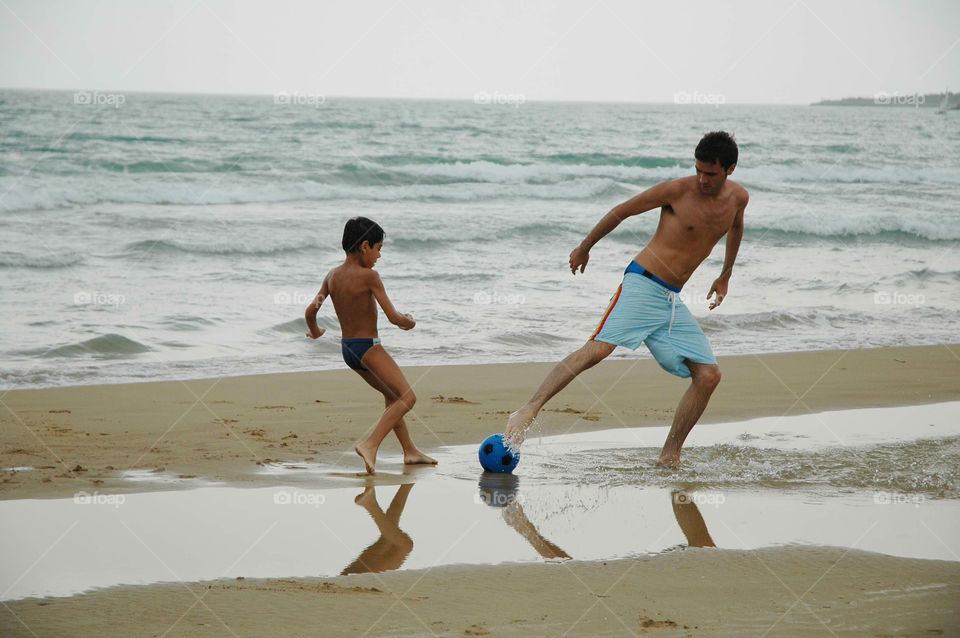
(393, 546)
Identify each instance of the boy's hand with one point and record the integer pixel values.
(318, 334)
(408, 324)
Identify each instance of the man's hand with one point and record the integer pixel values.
(719, 288)
(578, 259)
(317, 334)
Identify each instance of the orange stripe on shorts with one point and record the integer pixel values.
(607, 313)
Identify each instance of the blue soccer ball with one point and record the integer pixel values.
(495, 456)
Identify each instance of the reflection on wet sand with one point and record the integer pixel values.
(690, 520)
(394, 545)
(515, 518)
(500, 491)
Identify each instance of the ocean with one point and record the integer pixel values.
(148, 236)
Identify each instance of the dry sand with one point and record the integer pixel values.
(83, 438)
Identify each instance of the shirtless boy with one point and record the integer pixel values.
(355, 289)
(695, 213)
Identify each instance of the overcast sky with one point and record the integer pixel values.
(760, 51)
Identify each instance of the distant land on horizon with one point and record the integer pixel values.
(913, 100)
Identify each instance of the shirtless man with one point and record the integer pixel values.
(695, 212)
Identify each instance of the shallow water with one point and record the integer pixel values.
(590, 496)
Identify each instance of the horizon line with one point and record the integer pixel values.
(395, 97)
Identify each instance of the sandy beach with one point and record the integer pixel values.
(86, 438)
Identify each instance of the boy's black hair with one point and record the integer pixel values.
(717, 147)
(360, 229)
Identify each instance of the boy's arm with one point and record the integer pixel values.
(402, 321)
(654, 197)
(311, 313)
(734, 235)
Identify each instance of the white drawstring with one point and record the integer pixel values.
(672, 296)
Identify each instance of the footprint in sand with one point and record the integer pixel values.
(442, 399)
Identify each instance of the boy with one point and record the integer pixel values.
(353, 286)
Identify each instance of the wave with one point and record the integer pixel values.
(878, 228)
(296, 326)
(177, 165)
(105, 346)
(44, 196)
(163, 246)
(778, 320)
(185, 322)
(46, 262)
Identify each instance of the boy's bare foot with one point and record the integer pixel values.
(369, 457)
(367, 498)
(518, 423)
(418, 458)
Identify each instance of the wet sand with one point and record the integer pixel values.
(87, 437)
(797, 591)
(231, 430)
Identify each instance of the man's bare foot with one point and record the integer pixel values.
(518, 423)
(418, 458)
(671, 460)
(369, 457)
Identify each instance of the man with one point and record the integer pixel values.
(695, 212)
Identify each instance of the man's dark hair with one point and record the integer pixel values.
(360, 229)
(717, 147)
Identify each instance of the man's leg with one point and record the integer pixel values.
(705, 378)
(592, 353)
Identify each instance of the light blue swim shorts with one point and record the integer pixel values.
(645, 309)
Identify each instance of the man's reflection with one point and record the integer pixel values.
(691, 522)
(500, 490)
(393, 546)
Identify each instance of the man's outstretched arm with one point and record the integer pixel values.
(734, 235)
(654, 197)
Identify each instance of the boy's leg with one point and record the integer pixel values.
(384, 375)
(592, 353)
(705, 378)
(411, 454)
